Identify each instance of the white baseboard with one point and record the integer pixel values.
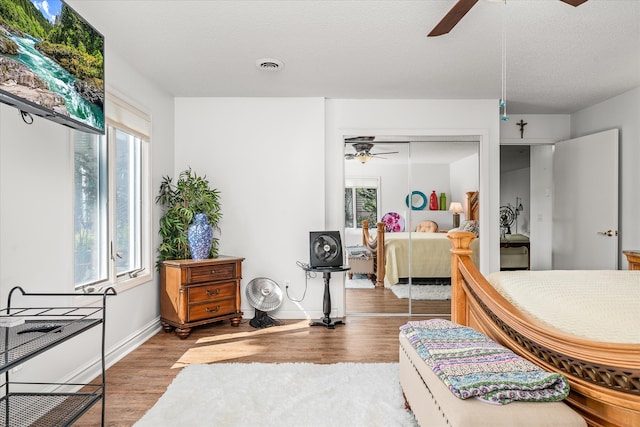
(92, 369)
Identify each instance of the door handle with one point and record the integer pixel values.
(609, 233)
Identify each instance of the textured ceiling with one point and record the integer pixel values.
(559, 58)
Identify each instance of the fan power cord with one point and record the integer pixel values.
(308, 275)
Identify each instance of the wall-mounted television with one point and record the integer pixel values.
(52, 63)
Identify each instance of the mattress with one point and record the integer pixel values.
(598, 305)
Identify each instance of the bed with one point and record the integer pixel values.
(602, 365)
(430, 251)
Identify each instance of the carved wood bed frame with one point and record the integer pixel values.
(604, 377)
(376, 243)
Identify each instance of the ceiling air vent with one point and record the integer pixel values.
(269, 64)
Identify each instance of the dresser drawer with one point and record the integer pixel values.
(211, 309)
(211, 292)
(210, 273)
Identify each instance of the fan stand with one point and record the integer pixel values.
(262, 320)
(326, 303)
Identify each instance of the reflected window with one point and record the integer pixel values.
(361, 201)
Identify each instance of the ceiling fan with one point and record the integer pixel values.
(461, 8)
(363, 152)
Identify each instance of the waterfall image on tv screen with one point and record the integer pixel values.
(51, 63)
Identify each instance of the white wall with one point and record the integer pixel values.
(514, 185)
(36, 224)
(541, 213)
(464, 175)
(621, 112)
(266, 156)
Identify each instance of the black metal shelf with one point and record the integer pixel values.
(33, 332)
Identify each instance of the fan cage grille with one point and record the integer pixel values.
(264, 294)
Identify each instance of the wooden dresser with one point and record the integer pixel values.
(194, 293)
(633, 257)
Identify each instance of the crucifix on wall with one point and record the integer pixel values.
(522, 124)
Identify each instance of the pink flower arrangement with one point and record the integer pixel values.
(393, 222)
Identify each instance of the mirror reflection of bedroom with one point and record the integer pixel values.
(392, 180)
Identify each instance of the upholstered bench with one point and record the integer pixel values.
(435, 406)
(360, 259)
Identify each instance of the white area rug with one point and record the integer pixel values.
(358, 284)
(282, 395)
(436, 292)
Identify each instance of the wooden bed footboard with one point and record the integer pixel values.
(376, 245)
(604, 377)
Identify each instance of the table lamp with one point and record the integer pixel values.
(456, 208)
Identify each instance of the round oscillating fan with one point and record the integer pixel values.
(507, 218)
(264, 295)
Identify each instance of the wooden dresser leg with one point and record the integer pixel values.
(166, 327)
(183, 332)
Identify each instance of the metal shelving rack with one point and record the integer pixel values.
(27, 332)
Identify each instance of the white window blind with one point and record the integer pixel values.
(127, 117)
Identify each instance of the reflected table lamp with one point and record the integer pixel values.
(456, 208)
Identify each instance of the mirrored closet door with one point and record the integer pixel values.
(398, 187)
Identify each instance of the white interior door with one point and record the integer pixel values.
(585, 202)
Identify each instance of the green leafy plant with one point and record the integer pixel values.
(189, 195)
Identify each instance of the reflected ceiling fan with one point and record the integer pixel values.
(363, 150)
(461, 8)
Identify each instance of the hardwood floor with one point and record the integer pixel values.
(136, 382)
(383, 300)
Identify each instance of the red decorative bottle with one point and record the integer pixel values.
(433, 201)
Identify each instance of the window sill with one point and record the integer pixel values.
(121, 286)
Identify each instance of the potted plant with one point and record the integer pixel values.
(182, 201)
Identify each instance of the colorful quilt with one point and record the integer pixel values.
(472, 365)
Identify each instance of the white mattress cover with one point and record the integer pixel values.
(599, 305)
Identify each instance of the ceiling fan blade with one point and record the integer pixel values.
(575, 3)
(388, 152)
(452, 17)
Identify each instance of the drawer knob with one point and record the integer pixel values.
(213, 271)
(208, 310)
(211, 294)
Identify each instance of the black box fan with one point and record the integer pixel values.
(325, 249)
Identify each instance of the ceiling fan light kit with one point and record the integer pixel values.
(363, 150)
